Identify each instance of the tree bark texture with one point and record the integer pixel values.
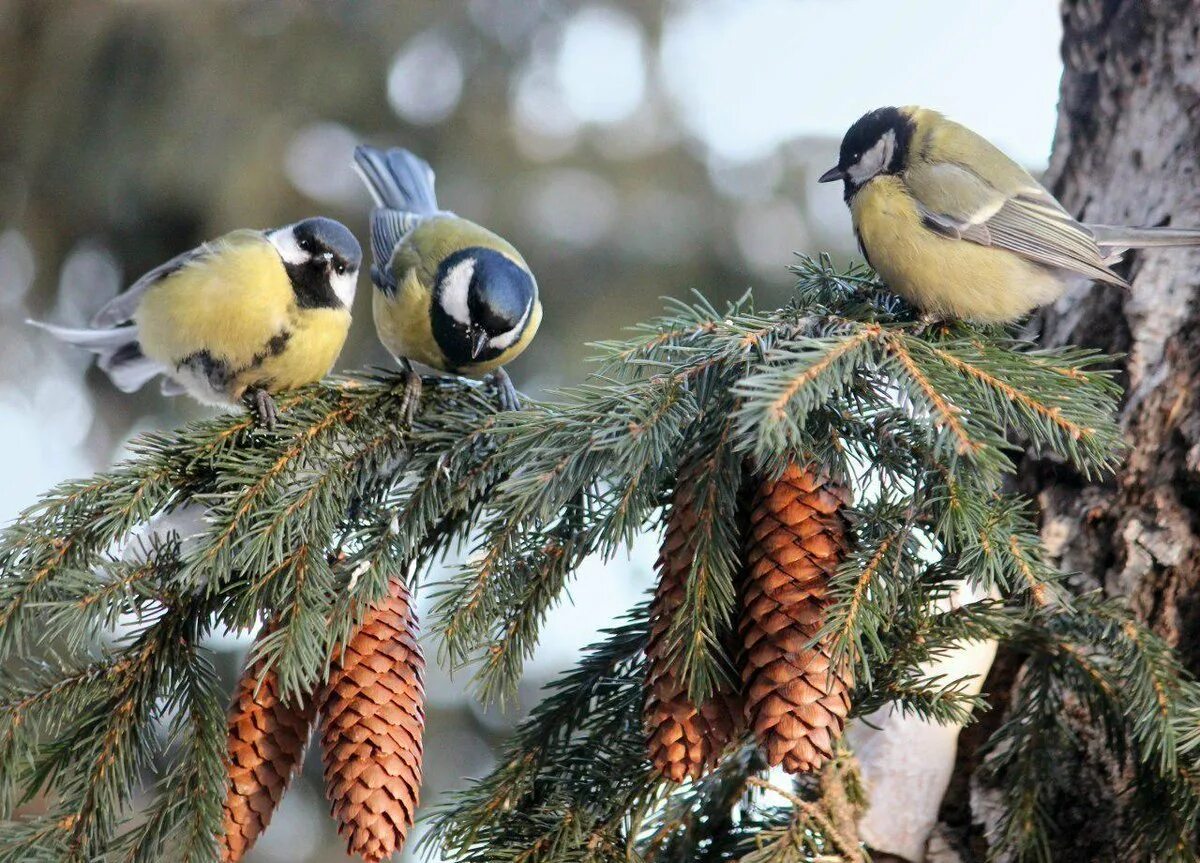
(1127, 151)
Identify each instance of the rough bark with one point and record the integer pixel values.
(1126, 151)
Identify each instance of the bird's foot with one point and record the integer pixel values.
(933, 325)
(506, 393)
(264, 407)
(411, 400)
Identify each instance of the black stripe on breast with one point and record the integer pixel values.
(275, 346)
(220, 374)
(862, 247)
(203, 364)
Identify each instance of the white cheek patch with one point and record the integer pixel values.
(455, 290)
(874, 160)
(505, 340)
(284, 241)
(345, 286)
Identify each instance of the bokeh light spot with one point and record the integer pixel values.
(601, 65)
(317, 163)
(425, 80)
(571, 206)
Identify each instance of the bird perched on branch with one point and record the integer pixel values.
(243, 316)
(448, 293)
(962, 231)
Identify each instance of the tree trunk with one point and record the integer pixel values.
(1126, 151)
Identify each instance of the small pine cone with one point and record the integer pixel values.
(266, 746)
(683, 739)
(795, 701)
(372, 720)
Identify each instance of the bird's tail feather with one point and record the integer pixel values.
(1120, 237)
(397, 179)
(117, 350)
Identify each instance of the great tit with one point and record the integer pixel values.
(240, 317)
(962, 231)
(448, 293)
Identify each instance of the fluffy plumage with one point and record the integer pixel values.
(961, 230)
(252, 310)
(449, 293)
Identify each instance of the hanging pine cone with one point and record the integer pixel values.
(372, 719)
(683, 739)
(796, 702)
(266, 746)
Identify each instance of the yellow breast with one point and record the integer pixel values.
(940, 275)
(315, 340)
(403, 322)
(235, 308)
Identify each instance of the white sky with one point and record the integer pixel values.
(747, 74)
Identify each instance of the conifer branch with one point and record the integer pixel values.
(306, 525)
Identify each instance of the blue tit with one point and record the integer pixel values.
(448, 293)
(962, 231)
(240, 317)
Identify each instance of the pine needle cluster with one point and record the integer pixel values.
(107, 680)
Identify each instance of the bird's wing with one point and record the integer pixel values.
(388, 228)
(120, 309)
(953, 201)
(1026, 219)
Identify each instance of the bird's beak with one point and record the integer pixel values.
(479, 343)
(834, 173)
(326, 258)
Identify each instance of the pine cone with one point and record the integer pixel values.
(683, 739)
(372, 719)
(795, 701)
(266, 746)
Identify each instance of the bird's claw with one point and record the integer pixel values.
(411, 400)
(264, 408)
(506, 393)
(931, 324)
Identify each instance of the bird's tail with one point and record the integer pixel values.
(1117, 237)
(397, 179)
(117, 349)
(402, 185)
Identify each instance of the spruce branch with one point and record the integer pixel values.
(307, 524)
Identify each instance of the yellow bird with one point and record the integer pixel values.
(244, 316)
(449, 294)
(959, 229)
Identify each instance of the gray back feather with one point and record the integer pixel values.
(1121, 237)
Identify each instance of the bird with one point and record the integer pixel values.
(238, 318)
(960, 230)
(449, 294)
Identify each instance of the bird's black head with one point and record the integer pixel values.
(322, 258)
(321, 236)
(482, 303)
(876, 144)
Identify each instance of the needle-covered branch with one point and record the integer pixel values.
(895, 436)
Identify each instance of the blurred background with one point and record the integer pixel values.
(632, 150)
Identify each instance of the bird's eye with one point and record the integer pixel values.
(340, 269)
(306, 244)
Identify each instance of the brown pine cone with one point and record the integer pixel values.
(372, 720)
(266, 747)
(683, 739)
(795, 701)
